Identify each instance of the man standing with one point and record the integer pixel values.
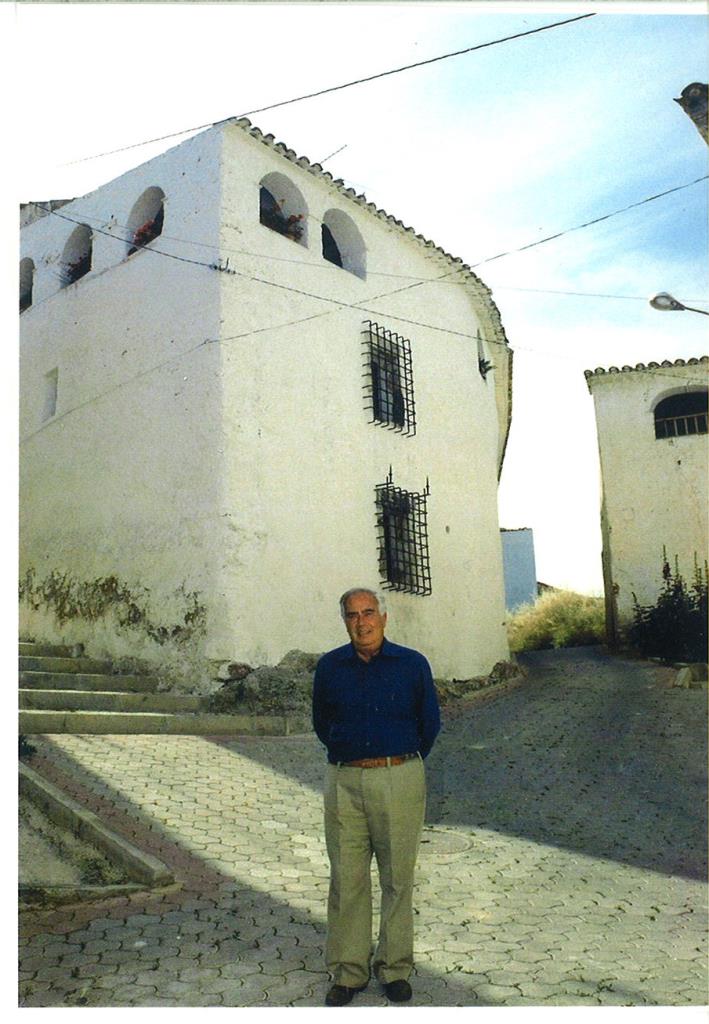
(376, 711)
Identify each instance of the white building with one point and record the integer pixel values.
(652, 436)
(245, 389)
(519, 567)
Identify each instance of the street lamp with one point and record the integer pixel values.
(665, 301)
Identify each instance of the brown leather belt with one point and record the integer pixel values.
(378, 762)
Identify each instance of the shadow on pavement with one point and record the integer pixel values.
(267, 950)
(590, 754)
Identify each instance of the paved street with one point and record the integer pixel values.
(563, 861)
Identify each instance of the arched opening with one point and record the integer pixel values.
(76, 258)
(682, 414)
(26, 283)
(282, 208)
(330, 248)
(146, 219)
(342, 243)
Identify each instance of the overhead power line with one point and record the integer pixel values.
(580, 295)
(588, 223)
(337, 88)
(413, 284)
(176, 356)
(381, 273)
(117, 238)
(418, 64)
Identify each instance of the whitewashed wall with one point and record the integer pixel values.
(302, 459)
(124, 481)
(654, 491)
(211, 456)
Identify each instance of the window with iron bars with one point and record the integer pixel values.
(389, 387)
(403, 539)
(681, 415)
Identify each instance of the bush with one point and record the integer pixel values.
(559, 618)
(26, 748)
(675, 627)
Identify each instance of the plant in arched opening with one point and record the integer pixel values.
(146, 219)
(76, 258)
(282, 208)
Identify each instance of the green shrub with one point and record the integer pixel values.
(26, 748)
(675, 627)
(559, 618)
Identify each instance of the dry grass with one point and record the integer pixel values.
(559, 618)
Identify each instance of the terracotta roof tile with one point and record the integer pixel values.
(640, 367)
(479, 287)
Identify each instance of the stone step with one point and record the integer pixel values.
(102, 700)
(35, 650)
(119, 723)
(87, 681)
(48, 664)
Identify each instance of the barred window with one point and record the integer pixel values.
(403, 539)
(680, 415)
(389, 391)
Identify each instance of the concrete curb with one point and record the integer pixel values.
(62, 810)
(484, 694)
(158, 723)
(34, 699)
(40, 896)
(94, 681)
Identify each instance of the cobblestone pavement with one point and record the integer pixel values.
(563, 862)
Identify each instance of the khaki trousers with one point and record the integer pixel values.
(369, 811)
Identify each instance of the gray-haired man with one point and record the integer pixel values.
(376, 711)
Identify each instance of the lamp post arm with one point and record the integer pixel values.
(693, 309)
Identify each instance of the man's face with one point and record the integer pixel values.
(365, 623)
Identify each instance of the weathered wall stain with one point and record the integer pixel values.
(70, 599)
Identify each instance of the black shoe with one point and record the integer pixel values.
(398, 991)
(341, 995)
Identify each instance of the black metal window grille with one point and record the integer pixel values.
(681, 426)
(681, 415)
(403, 539)
(389, 387)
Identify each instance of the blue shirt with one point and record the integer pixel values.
(377, 708)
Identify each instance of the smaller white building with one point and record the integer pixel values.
(652, 437)
(519, 568)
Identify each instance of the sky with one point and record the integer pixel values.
(482, 153)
